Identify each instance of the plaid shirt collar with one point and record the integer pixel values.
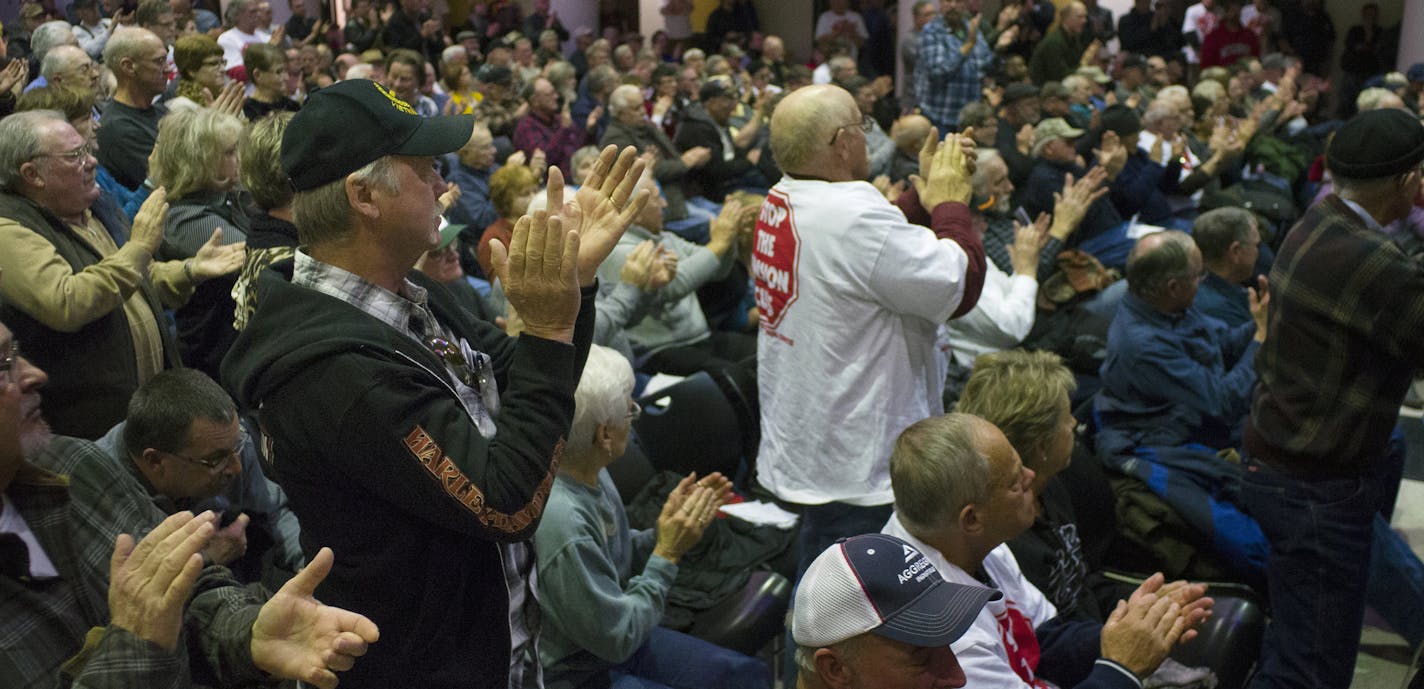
(405, 311)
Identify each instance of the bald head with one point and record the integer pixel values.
(909, 133)
(805, 121)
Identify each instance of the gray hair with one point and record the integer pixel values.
(1209, 90)
(61, 59)
(601, 398)
(693, 54)
(624, 98)
(847, 650)
(323, 215)
(841, 62)
(1157, 111)
(48, 35)
(1215, 230)
(1375, 98)
(360, 70)
(454, 52)
(980, 179)
(975, 113)
(235, 8)
(20, 143)
(1150, 269)
(936, 469)
(601, 79)
(125, 43)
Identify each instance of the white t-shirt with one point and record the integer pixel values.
(678, 26)
(850, 296)
(233, 41)
(1000, 320)
(995, 652)
(1200, 20)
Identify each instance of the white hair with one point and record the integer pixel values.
(360, 70)
(623, 98)
(50, 34)
(601, 398)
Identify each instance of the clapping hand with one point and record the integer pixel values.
(296, 637)
(149, 584)
(602, 208)
(215, 259)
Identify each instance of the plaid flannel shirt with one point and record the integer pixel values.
(945, 79)
(63, 622)
(1345, 333)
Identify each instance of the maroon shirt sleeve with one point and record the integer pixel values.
(951, 221)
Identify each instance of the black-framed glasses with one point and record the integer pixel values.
(866, 124)
(9, 363)
(635, 410)
(77, 155)
(218, 460)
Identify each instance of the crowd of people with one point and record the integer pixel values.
(332, 333)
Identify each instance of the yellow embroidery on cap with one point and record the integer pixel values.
(400, 104)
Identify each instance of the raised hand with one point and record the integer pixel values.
(230, 542)
(1141, 631)
(724, 227)
(147, 228)
(1111, 154)
(1029, 241)
(539, 271)
(949, 175)
(1070, 205)
(638, 266)
(602, 208)
(1259, 298)
(229, 100)
(214, 259)
(15, 73)
(451, 195)
(296, 637)
(149, 584)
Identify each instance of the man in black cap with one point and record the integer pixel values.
(1346, 335)
(1018, 113)
(500, 108)
(706, 126)
(387, 404)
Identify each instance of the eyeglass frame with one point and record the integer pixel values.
(10, 363)
(635, 410)
(77, 155)
(227, 458)
(866, 124)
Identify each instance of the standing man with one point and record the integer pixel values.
(1062, 50)
(129, 127)
(1346, 335)
(852, 291)
(950, 66)
(923, 12)
(387, 403)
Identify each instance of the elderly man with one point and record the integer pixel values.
(471, 172)
(500, 108)
(1173, 376)
(708, 126)
(91, 311)
(1056, 159)
(247, 26)
(47, 37)
(129, 126)
(849, 311)
(951, 63)
(1061, 51)
(182, 442)
(68, 570)
(1230, 243)
(630, 126)
(673, 335)
(874, 612)
(1344, 342)
(546, 127)
(70, 67)
(354, 336)
(412, 27)
(961, 491)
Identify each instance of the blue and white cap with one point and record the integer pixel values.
(879, 583)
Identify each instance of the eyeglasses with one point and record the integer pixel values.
(77, 155)
(215, 462)
(634, 411)
(866, 124)
(475, 377)
(9, 363)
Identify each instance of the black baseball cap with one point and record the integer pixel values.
(351, 124)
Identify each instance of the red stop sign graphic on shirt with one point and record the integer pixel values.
(774, 254)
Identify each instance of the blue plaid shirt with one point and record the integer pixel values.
(945, 79)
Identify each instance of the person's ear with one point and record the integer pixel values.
(30, 173)
(832, 670)
(152, 459)
(969, 519)
(361, 194)
(603, 437)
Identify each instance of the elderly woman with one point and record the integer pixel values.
(201, 74)
(195, 159)
(271, 90)
(602, 587)
(1026, 394)
(511, 187)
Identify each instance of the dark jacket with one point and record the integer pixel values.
(381, 461)
(403, 31)
(669, 171)
(205, 330)
(92, 371)
(718, 176)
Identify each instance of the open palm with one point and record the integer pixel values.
(297, 637)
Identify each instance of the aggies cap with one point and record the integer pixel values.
(879, 583)
(351, 124)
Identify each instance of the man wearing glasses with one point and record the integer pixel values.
(186, 449)
(852, 291)
(88, 309)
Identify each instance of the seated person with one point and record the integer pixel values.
(1230, 242)
(1173, 376)
(853, 646)
(184, 445)
(629, 126)
(66, 539)
(674, 337)
(1055, 158)
(511, 188)
(708, 125)
(1025, 394)
(442, 264)
(475, 161)
(602, 587)
(961, 491)
(908, 134)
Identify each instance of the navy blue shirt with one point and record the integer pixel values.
(1175, 379)
(1223, 300)
(474, 207)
